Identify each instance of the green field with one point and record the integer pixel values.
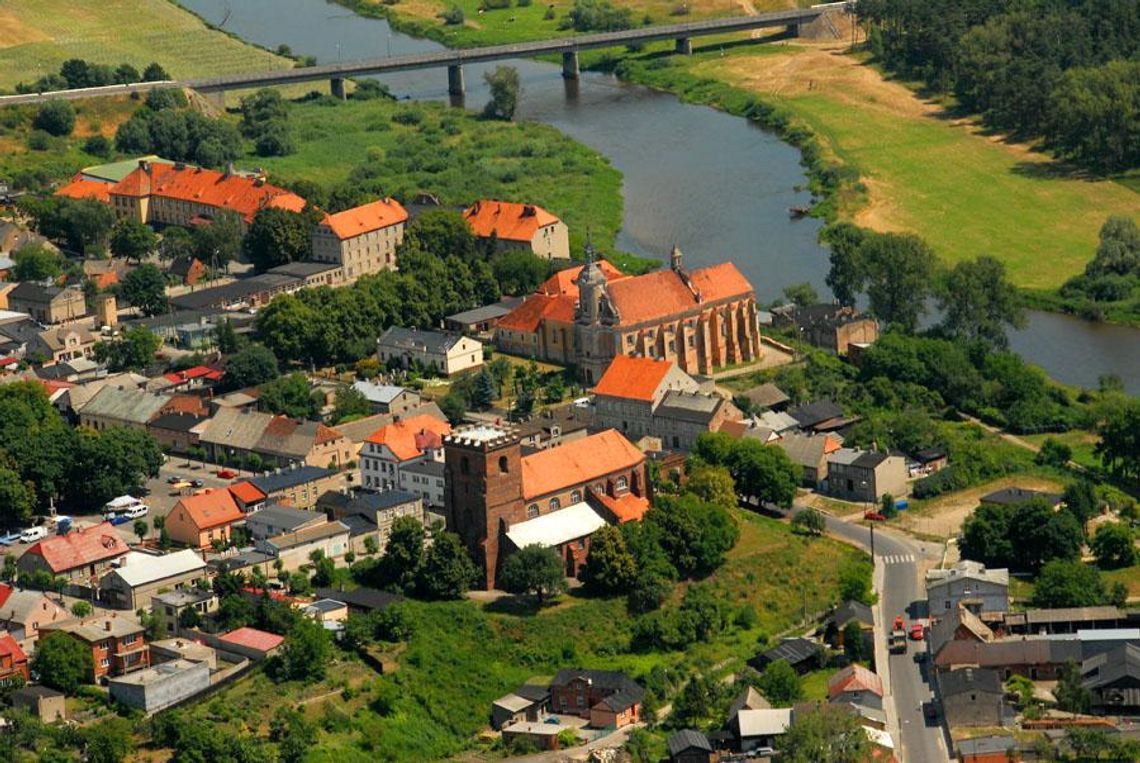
(36, 36)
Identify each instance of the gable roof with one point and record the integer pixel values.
(361, 598)
(664, 292)
(284, 517)
(625, 508)
(1121, 661)
(792, 651)
(748, 699)
(132, 405)
(966, 569)
(213, 507)
(693, 407)
(766, 395)
(237, 428)
(138, 569)
(1012, 496)
(1008, 652)
(814, 413)
(687, 739)
(763, 723)
(400, 437)
(308, 534)
(80, 547)
(366, 218)
(577, 462)
(602, 680)
(18, 606)
(417, 340)
(246, 492)
(237, 193)
(507, 220)
(84, 188)
(969, 680)
(633, 378)
(9, 647)
(378, 393)
(284, 436)
(854, 677)
(287, 478)
(852, 610)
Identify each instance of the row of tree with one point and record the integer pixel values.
(77, 73)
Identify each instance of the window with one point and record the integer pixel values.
(503, 464)
(103, 663)
(555, 504)
(532, 511)
(576, 496)
(622, 483)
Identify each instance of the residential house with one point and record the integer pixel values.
(1113, 680)
(117, 642)
(818, 416)
(169, 649)
(13, 660)
(326, 611)
(41, 702)
(688, 746)
(277, 520)
(161, 686)
(537, 734)
(189, 379)
(140, 576)
(526, 227)
(61, 344)
(168, 607)
(177, 432)
(233, 433)
(748, 699)
(811, 453)
(526, 703)
(116, 406)
(242, 400)
(425, 478)
(802, 654)
(765, 397)
(299, 487)
(609, 698)
(81, 556)
(434, 351)
(294, 548)
(395, 445)
(361, 240)
(830, 326)
(48, 304)
(201, 520)
(248, 642)
(481, 321)
(360, 430)
(187, 270)
(286, 441)
(756, 731)
(967, 583)
(973, 697)
(856, 685)
(1038, 659)
(850, 611)
(957, 625)
(387, 398)
(249, 498)
(23, 612)
(370, 514)
(1014, 496)
(931, 460)
(865, 476)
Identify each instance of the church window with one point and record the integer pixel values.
(532, 511)
(555, 504)
(576, 496)
(622, 483)
(503, 464)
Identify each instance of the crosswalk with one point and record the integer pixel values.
(897, 558)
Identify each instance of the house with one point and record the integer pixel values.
(801, 653)
(1038, 659)
(818, 416)
(1014, 496)
(48, 304)
(526, 703)
(157, 688)
(387, 398)
(957, 625)
(537, 734)
(609, 698)
(139, 576)
(766, 397)
(294, 549)
(401, 443)
(748, 699)
(688, 746)
(1062, 620)
(856, 685)
(64, 344)
(526, 227)
(865, 476)
(555, 426)
(361, 600)
(252, 643)
(177, 432)
(931, 460)
(299, 487)
(203, 520)
(989, 749)
(361, 240)
(700, 319)
(360, 430)
(249, 499)
(371, 514)
(811, 453)
(169, 607)
(117, 406)
(833, 327)
(493, 489)
(41, 702)
(247, 293)
(973, 697)
(233, 433)
(434, 351)
(117, 642)
(286, 441)
(169, 649)
(13, 660)
(194, 378)
(755, 731)
(22, 613)
(187, 270)
(1113, 680)
(81, 556)
(850, 611)
(326, 611)
(425, 478)
(276, 520)
(481, 321)
(968, 583)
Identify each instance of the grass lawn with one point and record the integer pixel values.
(814, 685)
(1129, 576)
(1081, 441)
(36, 36)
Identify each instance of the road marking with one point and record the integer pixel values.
(897, 558)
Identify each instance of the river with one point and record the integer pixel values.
(714, 185)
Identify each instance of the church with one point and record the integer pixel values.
(701, 319)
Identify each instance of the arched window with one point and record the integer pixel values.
(532, 511)
(622, 483)
(555, 504)
(576, 496)
(503, 464)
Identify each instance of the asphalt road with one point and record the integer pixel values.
(902, 593)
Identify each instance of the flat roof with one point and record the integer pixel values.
(160, 672)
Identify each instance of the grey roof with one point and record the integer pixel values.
(240, 290)
(1105, 669)
(429, 468)
(38, 692)
(378, 393)
(1003, 653)
(133, 405)
(177, 422)
(361, 502)
(240, 429)
(272, 483)
(302, 269)
(766, 395)
(358, 431)
(183, 596)
(294, 439)
(1011, 496)
(763, 723)
(969, 680)
(418, 341)
(533, 692)
(300, 537)
(966, 569)
(605, 680)
(852, 610)
(689, 406)
(805, 450)
(623, 700)
(358, 524)
(28, 291)
(986, 745)
(361, 598)
(325, 605)
(687, 739)
(793, 651)
(486, 312)
(926, 455)
(814, 413)
(284, 517)
(748, 699)
(862, 459)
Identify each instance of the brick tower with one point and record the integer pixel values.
(483, 472)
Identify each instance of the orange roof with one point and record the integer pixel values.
(663, 292)
(237, 193)
(633, 378)
(10, 648)
(211, 508)
(105, 280)
(565, 281)
(80, 547)
(184, 404)
(401, 436)
(247, 493)
(5, 592)
(507, 220)
(577, 463)
(854, 677)
(627, 508)
(252, 638)
(366, 218)
(84, 188)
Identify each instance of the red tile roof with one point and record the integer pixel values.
(662, 293)
(237, 193)
(507, 220)
(5, 592)
(10, 648)
(252, 638)
(854, 677)
(627, 508)
(577, 463)
(565, 281)
(197, 372)
(531, 313)
(247, 493)
(80, 547)
(555, 299)
(633, 378)
(84, 188)
(402, 436)
(211, 508)
(366, 218)
(185, 404)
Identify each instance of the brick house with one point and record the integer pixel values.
(117, 643)
(609, 698)
(833, 327)
(81, 556)
(403, 442)
(188, 270)
(23, 613)
(199, 520)
(857, 685)
(13, 660)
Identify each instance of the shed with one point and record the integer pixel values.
(46, 704)
(689, 746)
(801, 653)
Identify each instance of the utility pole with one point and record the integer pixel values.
(872, 544)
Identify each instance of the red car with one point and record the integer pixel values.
(916, 632)
(227, 474)
(874, 516)
(898, 623)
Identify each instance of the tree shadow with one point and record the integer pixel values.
(1055, 170)
(518, 605)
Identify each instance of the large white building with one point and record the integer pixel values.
(444, 353)
(970, 583)
(363, 239)
(400, 444)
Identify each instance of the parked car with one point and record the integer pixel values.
(898, 623)
(917, 632)
(139, 491)
(33, 534)
(10, 538)
(197, 483)
(122, 519)
(227, 474)
(172, 479)
(874, 516)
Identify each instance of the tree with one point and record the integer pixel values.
(1071, 695)
(485, 391)
(226, 337)
(1119, 445)
(453, 407)
(714, 448)
(1069, 583)
(293, 734)
(447, 571)
(899, 269)
(695, 535)
(534, 570)
(854, 643)
(132, 240)
(16, 498)
(780, 684)
(35, 263)
(133, 350)
(845, 278)
(251, 366)
(141, 528)
(810, 521)
(855, 581)
(1054, 453)
(801, 294)
(504, 85)
(81, 609)
(145, 288)
(824, 734)
(713, 484)
(154, 73)
(519, 271)
(350, 403)
(1114, 546)
(764, 471)
(306, 652)
(55, 117)
(403, 553)
(109, 741)
(610, 567)
(978, 303)
(277, 237)
(290, 396)
(63, 662)
(220, 242)
(443, 233)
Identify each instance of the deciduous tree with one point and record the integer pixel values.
(534, 570)
(55, 117)
(251, 366)
(824, 734)
(1114, 546)
(145, 288)
(504, 85)
(610, 567)
(35, 263)
(63, 662)
(447, 571)
(132, 240)
(780, 684)
(979, 303)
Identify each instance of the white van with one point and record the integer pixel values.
(124, 504)
(139, 510)
(32, 534)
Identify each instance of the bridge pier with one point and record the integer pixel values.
(684, 46)
(455, 80)
(336, 87)
(570, 64)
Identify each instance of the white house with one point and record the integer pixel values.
(444, 353)
(402, 443)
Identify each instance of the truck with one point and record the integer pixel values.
(898, 641)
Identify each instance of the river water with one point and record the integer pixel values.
(714, 185)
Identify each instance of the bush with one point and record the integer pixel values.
(453, 16)
(598, 16)
(55, 118)
(97, 145)
(1054, 453)
(495, 5)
